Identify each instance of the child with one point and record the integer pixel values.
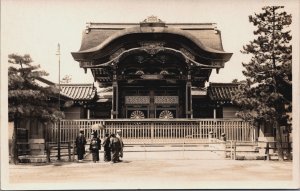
(95, 146)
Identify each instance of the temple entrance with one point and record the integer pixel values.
(151, 66)
(151, 102)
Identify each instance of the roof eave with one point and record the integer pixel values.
(83, 54)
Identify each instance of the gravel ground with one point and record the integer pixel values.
(175, 169)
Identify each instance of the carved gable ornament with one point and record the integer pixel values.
(152, 47)
(152, 21)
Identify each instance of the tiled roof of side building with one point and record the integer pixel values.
(221, 91)
(78, 91)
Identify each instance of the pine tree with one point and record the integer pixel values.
(266, 96)
(26, 98)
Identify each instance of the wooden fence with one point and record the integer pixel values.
(157, 130)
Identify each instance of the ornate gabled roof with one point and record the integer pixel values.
(97, 36)
(221, 91)
(113, 46)
(78, 92)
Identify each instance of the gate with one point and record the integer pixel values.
(156, 131)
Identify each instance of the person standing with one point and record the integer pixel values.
(106, 145)
(95, 146)
(115, 146)
(119, 136)
(80, 145)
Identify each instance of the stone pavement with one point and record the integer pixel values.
(173, 169)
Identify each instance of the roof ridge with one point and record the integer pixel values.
(76, 84)
(221, 83)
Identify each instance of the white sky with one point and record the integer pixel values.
(37, 26)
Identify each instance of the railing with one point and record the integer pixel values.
(157, 130)
(66, 149)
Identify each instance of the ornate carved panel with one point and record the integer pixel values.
(166, 114)
(152, 47)
(152, 19)
(137, 100)
(137, 114)
(151, 76)
(166, 100)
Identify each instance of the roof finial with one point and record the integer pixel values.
(153, 20)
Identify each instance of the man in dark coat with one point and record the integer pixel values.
(106, 145)
(80, 145)
(95, 146)
(115, 146)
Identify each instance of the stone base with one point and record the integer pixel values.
(37, 152)
(37, 146)
(33, 159)
(250, 157)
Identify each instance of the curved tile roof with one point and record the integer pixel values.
(78, 91)
(205, 34)
(137, 30)
(221, 91)
(98, 36)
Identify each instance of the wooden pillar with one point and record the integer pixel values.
(151, 108)
(215, 113)
(115, 96)
(188, 97)
(88, 113)
(112, 104)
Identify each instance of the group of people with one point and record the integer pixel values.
(112, 144)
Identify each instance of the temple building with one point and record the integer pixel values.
(154, 69)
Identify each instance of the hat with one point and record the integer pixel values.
(119, 131)
(223, 134)
(81, 130)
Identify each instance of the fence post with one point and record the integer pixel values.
(152, 131)
(231, 150)
(210, 136)
(69, 150)
(73, 151)
(289, 148)
(234, 153)
(224, 147)
(48, 152)
(267, 151)
(58, 141)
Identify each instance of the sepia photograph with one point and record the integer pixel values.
(149, 94)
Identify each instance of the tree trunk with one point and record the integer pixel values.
(279, 142)
(15, 158)
(288, 152)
